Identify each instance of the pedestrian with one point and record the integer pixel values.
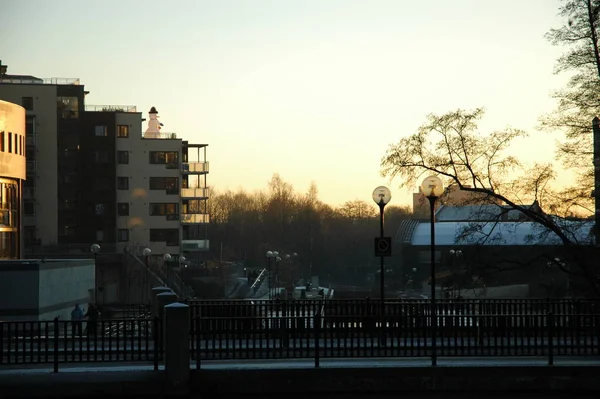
(92, 324)
(77, 319)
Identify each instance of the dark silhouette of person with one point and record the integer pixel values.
(92, 324)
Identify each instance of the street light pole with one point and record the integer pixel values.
(432, 187)
(269, 256)
(381, 196)
(146, 252)
(95, 248)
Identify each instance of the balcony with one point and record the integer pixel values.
(198, 192)
(194, 218)
(194, 167)
(195, 245)
(111, 108)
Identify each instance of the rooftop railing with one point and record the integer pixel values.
(111, 108)
(38, 81)
(160, 136)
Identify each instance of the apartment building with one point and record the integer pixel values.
(92, 176)
(12, 175)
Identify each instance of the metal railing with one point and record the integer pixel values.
(61, 342)
(37, 81)
(317, 336)
(110, 108)
(160, 136)
(195, 218)
(195, 167)
(195, 192)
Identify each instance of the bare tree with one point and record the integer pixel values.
(579, 101)
(450, 146)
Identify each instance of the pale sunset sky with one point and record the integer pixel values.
(314, 90)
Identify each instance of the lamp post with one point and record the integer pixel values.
(433, 187)
(146, 252)
(95, 248)
(166, 259)
(270, 254)
(381, 196)
(182, 261)
(455, 254)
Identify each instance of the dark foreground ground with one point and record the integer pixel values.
(335, 379)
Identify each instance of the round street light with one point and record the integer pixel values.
(95, 248)
(433, 187)
(167, 257)
(382, 195)
(146, 251)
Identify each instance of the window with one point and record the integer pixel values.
(99, 235)
(170, 184)
(101, 156)
(123, 208)
(169, 158)
(122, 183)
(2, 141)
(169, 236)
(67, 107)
(29, 208)
(123, 157)
(10, 142)
(123, 131)
(29, 234)
(99, 209)
(100, 131)
(123, 235)
(27, 103)
(162, 209)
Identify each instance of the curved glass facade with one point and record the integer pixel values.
(10, 204)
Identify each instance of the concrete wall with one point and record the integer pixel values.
(139, 170)
(20, 290)
(42, 290)
(62, 284)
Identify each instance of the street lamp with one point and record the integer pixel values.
(433, 187)
(146, 252)
(455, 254)
(182, 261)
(270, 254)
(95, 248)
(381, 196)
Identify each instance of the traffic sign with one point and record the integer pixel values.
(383, 246)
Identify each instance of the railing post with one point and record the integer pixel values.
(56, 334)
(156, 333)
(177, 347)
(550, 323)
(317, 329)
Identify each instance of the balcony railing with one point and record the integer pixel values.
(194, 167)
(111, 108)
(31, 139)
(197, 192)
(160, 136)
(195, 218)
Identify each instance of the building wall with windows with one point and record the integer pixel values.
(148, 188)
(12, 175)
(40, 193)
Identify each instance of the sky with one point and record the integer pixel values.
(314, 90)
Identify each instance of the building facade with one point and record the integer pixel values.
(94, 177)
(12, 176)
(53, 125)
